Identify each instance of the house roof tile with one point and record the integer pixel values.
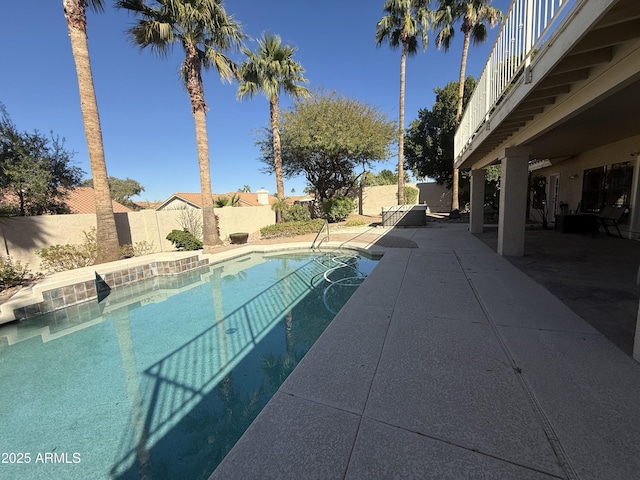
(83, 200)
(78, 200)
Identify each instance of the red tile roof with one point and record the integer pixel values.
(82, 200)
(78, 199)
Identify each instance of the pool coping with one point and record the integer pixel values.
(73, 287)
(448, 361)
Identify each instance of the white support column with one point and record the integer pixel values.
(513, 201)
(634, 224)
(636, 340)
(476, 217)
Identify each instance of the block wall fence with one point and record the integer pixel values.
(22, 237)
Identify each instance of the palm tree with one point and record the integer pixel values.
(474, 15)
(280, 206)
(272, 70)
(405, 22)
(205, 31)
(75, 12)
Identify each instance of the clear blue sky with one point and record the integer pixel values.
(145, 113)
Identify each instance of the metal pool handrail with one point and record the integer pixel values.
(325, 224)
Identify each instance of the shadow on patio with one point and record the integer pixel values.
(595, 277)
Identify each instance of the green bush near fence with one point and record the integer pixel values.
(410, 195)
(184, 240)
(13, 274)
(338, 209)
(291, 229)
(137, 249)
(60, 258)
(296, 213)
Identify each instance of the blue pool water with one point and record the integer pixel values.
(159, 380)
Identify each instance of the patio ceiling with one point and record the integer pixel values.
(581, 95)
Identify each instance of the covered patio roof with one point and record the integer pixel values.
(580, 90)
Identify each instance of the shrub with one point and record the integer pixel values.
(59, 258)
(138, 249)
(410, 195)
(356, 222)
(291, 229)
(191, 219)
(338, 209)
(12, 274)
(297, 213)
(184, 240)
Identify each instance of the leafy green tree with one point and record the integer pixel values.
(387, 177)
(121, 190)
(75, 13)
(245, 189)
(474, 14)
(325, 137)
(429, 148)
(36, 169)
(405, 22)
(205, 31)
(368, 179)
(272, 70)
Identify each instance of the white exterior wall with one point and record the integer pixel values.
(23, 236)
(571, 172)
(178, 204)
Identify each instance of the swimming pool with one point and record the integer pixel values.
(161, 381)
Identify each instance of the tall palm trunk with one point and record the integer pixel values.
(277, 150)
(455, 205)
(463, 68)
(209, 223)
(106, 233)
(196, 94)
(403, 62)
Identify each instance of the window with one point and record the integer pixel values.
(607, 185)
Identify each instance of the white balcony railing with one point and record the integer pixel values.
(525, 27)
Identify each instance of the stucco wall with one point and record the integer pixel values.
(436, 197)
(23, 236)
(571, 172)
(376, 197)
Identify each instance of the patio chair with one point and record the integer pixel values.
(610, 216)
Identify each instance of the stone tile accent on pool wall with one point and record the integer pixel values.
(80, 292)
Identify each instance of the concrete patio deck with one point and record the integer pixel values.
(450, 363)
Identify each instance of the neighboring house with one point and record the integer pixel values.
(78, 200)
(557, 100)
(83, 200)
(147, 205)
(246, 199)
